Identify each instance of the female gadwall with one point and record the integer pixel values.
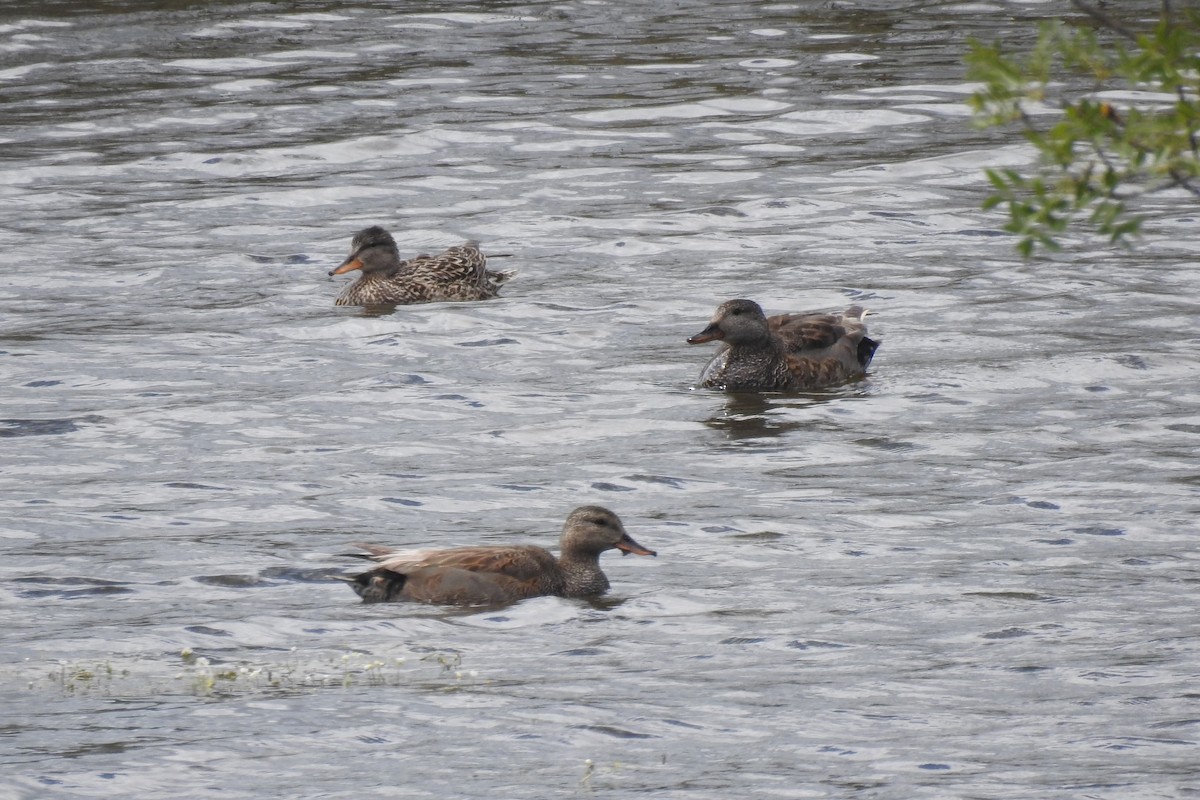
(460, 273)
(785, 353)
(492, 575)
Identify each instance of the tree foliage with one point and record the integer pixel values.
(1098, 154)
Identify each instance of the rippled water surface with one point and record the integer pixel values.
(972, 574)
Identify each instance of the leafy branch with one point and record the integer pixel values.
(1096, 160)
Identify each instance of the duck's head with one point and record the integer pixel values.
(372, 250)
(593, 529)
(736, 322)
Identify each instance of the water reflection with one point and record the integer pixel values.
(758, 415)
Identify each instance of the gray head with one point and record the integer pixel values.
(736, 322)
(372, 250)
(590, 530)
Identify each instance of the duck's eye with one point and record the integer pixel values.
(601, 521)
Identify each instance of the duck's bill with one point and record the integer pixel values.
(709, 334)
(627, 545)
(349, 265)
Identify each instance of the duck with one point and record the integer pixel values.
(492, 575)
(459, 273)
(784, 353)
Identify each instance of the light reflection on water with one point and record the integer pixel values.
(889, 588)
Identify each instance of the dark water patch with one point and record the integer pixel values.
(583, 651)
(205, 630)
(67, 581)
(1183, 427)
(1133, 362)
(1098, 530)
(1186, 480)
(190, 485)
(41, 384)
(72, 594)
(303, 574)
(488, 342)
(758, 536)
(1007, 633)
(459, 398)
(815, 644)
(604, 486)
(1186, 722)
(743, 640)
(1045, 505)
(1033, 597)
(513, 487)
(232, 581)
(882, 443)
(676, 483)
(616, 733)
(721, 211)
(403, 501)
(44, 427)
(372, 312)
(1057, 542)
(934, 397)
(406, 379)
(678, 723)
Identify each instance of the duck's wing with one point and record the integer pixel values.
(520, 562)
(456, 264)
(817, 331)
(801, 332)
(459, 273)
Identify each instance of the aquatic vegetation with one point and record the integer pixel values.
(209, 676)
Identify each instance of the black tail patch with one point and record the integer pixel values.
(379, 586)
(866, 351)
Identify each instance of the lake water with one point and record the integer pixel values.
(973, 574)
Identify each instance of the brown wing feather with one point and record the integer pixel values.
(521, 562)
(807, 331)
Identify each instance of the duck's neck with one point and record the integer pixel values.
(582, 576)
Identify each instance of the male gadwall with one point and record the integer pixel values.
(460, 273)
(785, 353)
(492, 575)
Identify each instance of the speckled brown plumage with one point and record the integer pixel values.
(459, 273)
(491, 575)
(784, 353)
